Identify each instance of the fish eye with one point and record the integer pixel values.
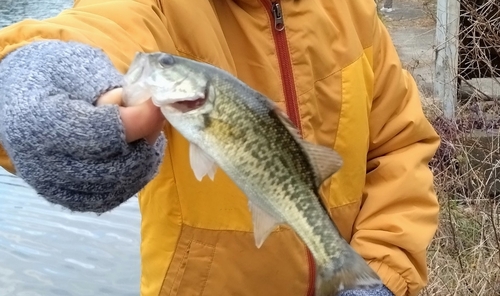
(166, 60)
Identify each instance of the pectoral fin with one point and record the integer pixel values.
(263, 224)
(201, 163)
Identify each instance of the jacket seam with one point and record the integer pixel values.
(280, 228)
(336, 71)
(192, 56)
(320, 79)
(182, 219)
(344, 205)
(184, 258)
(210, 269)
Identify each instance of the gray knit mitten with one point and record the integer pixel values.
(71, 152)
(381, 291)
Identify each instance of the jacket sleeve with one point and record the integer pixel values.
(5, 161)
(119, 28)
(399, 214)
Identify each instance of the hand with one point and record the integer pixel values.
(381, 291)
(84, 157)
(144, 121)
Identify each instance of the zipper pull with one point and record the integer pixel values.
(279, 24)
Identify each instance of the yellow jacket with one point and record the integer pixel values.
(335, 71)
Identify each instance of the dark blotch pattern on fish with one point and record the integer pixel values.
(262, 149)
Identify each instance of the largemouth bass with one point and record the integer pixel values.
(235, 128)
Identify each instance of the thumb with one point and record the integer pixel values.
(112, 97)
(144, 121)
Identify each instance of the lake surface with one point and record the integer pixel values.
(46, 250)
(12, 11)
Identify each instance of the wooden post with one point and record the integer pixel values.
(446, 63)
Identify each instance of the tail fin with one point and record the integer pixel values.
(353, 273)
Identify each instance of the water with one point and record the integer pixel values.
(46, 250)
(12, 11)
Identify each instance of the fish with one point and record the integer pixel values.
(232, 127)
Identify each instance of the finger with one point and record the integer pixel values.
(111, 97)
(142, 121)
(151, 139)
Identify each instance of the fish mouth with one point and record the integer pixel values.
(190, 104)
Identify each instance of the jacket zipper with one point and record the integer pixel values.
(273, 8)
(312, 273)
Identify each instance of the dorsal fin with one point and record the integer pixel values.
(283, 117)
(324, 160)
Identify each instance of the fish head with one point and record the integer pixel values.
(179, 86)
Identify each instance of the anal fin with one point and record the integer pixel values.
(263, 224)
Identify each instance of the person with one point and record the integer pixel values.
(330, 65)
(387, 6)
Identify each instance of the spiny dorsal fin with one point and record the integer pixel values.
(283, 117)
(324, 160)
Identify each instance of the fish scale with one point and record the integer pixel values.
(261, 155)
(233, 127)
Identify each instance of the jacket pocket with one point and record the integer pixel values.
(227, 263)
(193, 258)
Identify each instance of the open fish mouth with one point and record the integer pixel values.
(188, 105)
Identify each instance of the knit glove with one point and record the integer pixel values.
(381, 291)
(70, 151)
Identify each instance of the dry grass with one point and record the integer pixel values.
(479, 47)
(464, 257)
